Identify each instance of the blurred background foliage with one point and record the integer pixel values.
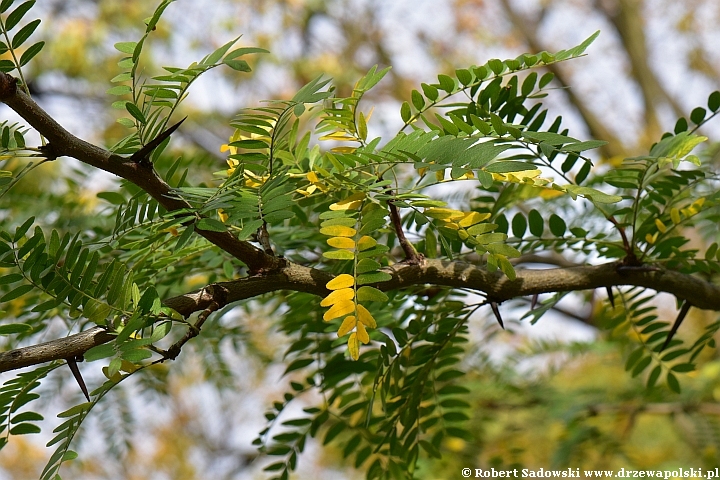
(553, 395)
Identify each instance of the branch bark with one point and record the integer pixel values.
(63, 143)
(272, 274)
(298, 278)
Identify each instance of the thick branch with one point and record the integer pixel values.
(496, 286)
(63, 143)
(67, 347)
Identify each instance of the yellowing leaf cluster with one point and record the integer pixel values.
(315, 184)
(348, 290)
(343, 303)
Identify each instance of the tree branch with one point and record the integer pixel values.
(298, 278)
(63, 143)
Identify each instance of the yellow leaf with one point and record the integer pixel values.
(471, 218)
(341, 281)
(232, 163)
(463, 235)
(223, 216)
(347, 325)
(312, 177)
(352, 202)
(343, 149)
(339, 309)
(651, 238)
(660, 225)
(675, 215)
(340, 136)
(422, 170)
(366, 242)
(365, 317)
(444, 213)
(338, 295)
(549, 193)
(338, 231)
(440, 175)
(362, 334)
(354, 346)
(341, 242)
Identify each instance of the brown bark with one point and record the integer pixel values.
(273, 274)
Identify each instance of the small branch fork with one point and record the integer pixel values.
(269, 273)
(218, 299)
(412, 257)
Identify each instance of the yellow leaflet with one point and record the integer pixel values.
(444, 213)
(223, 216)
(471, 218)
(313, 178)
(463, 235)
(660, 225)
(549, 193)
(352, 202)
(366, 242)
(362, 334)
(343, 149)
(347, 325)
(354, 346)
(365, 317)
(232, 163)
(675, 215)
(422, 170)
(440, 175)
(343, 294)
(338, 231)
(341, 281)
(522, 175)
(339, 309)
(308, 192)
(341, 136)
(341, 242)
(465, 176)
(651, 238)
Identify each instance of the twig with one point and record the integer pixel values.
(412, 257)
(218, 299)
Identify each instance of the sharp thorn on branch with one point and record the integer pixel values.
(533, 302)
(72, 363)
(496, 311)
(681, 316)
(610, 295)
(143, 155)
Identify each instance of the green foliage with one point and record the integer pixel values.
(397, 397)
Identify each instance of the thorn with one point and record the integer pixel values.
(496, 311)
(610, 295)
(681, 316)
(533, 302)
(72, 363)
(143, 154)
